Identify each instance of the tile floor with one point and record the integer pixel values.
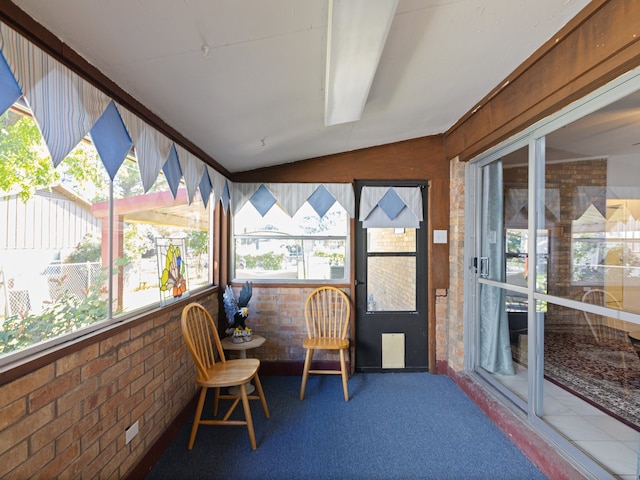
(609, 442)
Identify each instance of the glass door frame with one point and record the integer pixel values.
(534, 138)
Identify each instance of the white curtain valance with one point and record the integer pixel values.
(66, 108)
(391, 207)
(64, 105)
(152, 147)
(293, 195)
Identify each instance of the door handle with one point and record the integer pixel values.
(358, 282)
(484, 267)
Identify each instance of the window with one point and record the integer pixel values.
(607, 251)
(78, 251)
(277, 246)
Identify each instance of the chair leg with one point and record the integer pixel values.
(343, 369)
(216, 401)
(305, 372)
(247, 415)
(196, 419)
(263, 399)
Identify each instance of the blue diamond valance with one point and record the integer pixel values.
(391, 207)
(291, 196)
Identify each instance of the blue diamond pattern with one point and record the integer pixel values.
(321, 200)
(225, 198)
(172, 171)
(391, 204)
(111, 139)
(263, 200)
(9, 88)
(205, 187)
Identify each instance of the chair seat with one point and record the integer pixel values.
(326, 343)
(230, 373)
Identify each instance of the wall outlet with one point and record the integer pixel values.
(131, 432)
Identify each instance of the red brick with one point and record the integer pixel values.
(112, 373)
(25, 427)
(11, 458)
(95, 367)
(13, 412)
(76, 431)
(112, 343)
(25, 385)
(56, 427)
(51, 391)
(77, 395)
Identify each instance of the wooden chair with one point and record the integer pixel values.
(214, 371)
(601, 326)
(327, 312)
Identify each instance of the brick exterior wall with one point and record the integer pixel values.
(566, 177)
(450, 327)
(390, 280)
(68, 418)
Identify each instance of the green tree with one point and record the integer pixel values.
(198, 242)
(26, 165)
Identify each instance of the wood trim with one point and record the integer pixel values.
(597, 46)
(17, 19)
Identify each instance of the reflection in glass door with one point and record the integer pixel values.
(576, 253)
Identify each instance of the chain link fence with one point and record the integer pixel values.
(61, 279)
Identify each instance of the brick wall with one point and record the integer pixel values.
(68, 418)
(566, 177)
(450, 329)
(277, 313)
(390, 279)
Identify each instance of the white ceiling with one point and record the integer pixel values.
(257, 98)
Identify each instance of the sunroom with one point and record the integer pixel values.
(511, 235)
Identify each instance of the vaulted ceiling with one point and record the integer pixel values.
(244, 80)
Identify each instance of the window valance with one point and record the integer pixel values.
(66, 108)
(321, 196)
(391, 207)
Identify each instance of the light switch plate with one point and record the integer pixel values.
(439, 236)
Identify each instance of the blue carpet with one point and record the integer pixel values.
(395, 426)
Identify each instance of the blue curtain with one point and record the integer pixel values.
(495, 349)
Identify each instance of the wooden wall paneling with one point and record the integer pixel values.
(417, 159)
(438, 213)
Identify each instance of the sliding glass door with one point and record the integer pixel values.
(502, 270)
(555, 309)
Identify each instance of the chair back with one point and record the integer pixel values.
(601, 326)
(202, 339)
(327, 312)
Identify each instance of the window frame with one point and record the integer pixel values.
(271, 236)
(75, 337)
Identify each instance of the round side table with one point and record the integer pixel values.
(241, 348)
